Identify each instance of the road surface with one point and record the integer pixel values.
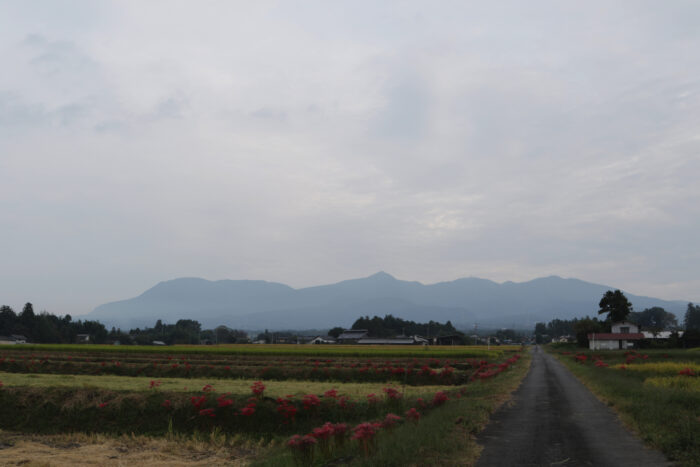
(554, 420)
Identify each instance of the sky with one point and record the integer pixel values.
(308, 142)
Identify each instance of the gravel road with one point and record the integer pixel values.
(554, 420)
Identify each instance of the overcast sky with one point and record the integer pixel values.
(311, 142)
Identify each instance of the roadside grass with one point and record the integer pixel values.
(456, 351)
(664, 413)
(446, 436)
(236, 386)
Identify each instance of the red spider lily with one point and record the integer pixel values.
(208, 388)
(0, 384)
(302, 448)
(344, 403)
(413, 415)
(440, 398)
(390, 421)
(421, 402)
(258, 388)
(392, 393)
(154, 384)
(372, 398)
(310, 401)
(167, 404)
(198, 401)
(224, 402)
(339, 429)
(686, 372)
(364, 433)
(331, 394)
(248, 411)
(600, 364)
(102, 405)
(207, 413)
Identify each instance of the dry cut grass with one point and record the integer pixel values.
(236, 386)
(99, 450)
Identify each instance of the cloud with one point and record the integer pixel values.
(314, 143)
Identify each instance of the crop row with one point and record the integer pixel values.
(283, 350)
(154, 412)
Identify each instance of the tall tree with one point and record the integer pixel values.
(692, 318)
(616, 305)
(654, 319)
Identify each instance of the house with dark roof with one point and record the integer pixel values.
(352, 336)
(400, 340)
(623, 336)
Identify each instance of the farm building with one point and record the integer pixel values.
(351, 336)
(13, 339)
(402, 340)
(623, 336)
(321, 340)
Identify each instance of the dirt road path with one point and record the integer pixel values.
(555, 421)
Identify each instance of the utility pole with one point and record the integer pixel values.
(476, 337)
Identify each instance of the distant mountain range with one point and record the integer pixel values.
(245, 304)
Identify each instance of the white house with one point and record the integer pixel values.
(622, 336)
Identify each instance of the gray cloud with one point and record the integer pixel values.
(313, 143)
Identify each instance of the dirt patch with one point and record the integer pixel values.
(88, 450)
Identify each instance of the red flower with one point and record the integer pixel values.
(247, 411)
(364, 431)
(258, 388)
(440, 398)
(686, 372)
(331, 394)
(167, 404)
(198, 401)
(155, 384)
(207, 413)
(207, 388)
(310, 401)
(413, 415)
(224, 402)
(392, 393)
(102, 405)
(390, 420)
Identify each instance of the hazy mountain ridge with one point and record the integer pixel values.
(260, 304)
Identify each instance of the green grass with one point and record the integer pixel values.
(665, 417)
(237, 386)
(456, 351)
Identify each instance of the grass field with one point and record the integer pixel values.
(363, 388)
(649, 392)
(456, 351)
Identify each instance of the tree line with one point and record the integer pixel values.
(391, 326)
(46, 328)
(617, 308)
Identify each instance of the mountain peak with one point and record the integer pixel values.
(382, 275)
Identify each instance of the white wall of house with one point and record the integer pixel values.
(625, 328)
(607, 344)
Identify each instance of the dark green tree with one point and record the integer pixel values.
(691, 321)
(654, 319)
(616, 305)
(336, 331)
(586, 326)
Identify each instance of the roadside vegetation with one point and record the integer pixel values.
(655, 392)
